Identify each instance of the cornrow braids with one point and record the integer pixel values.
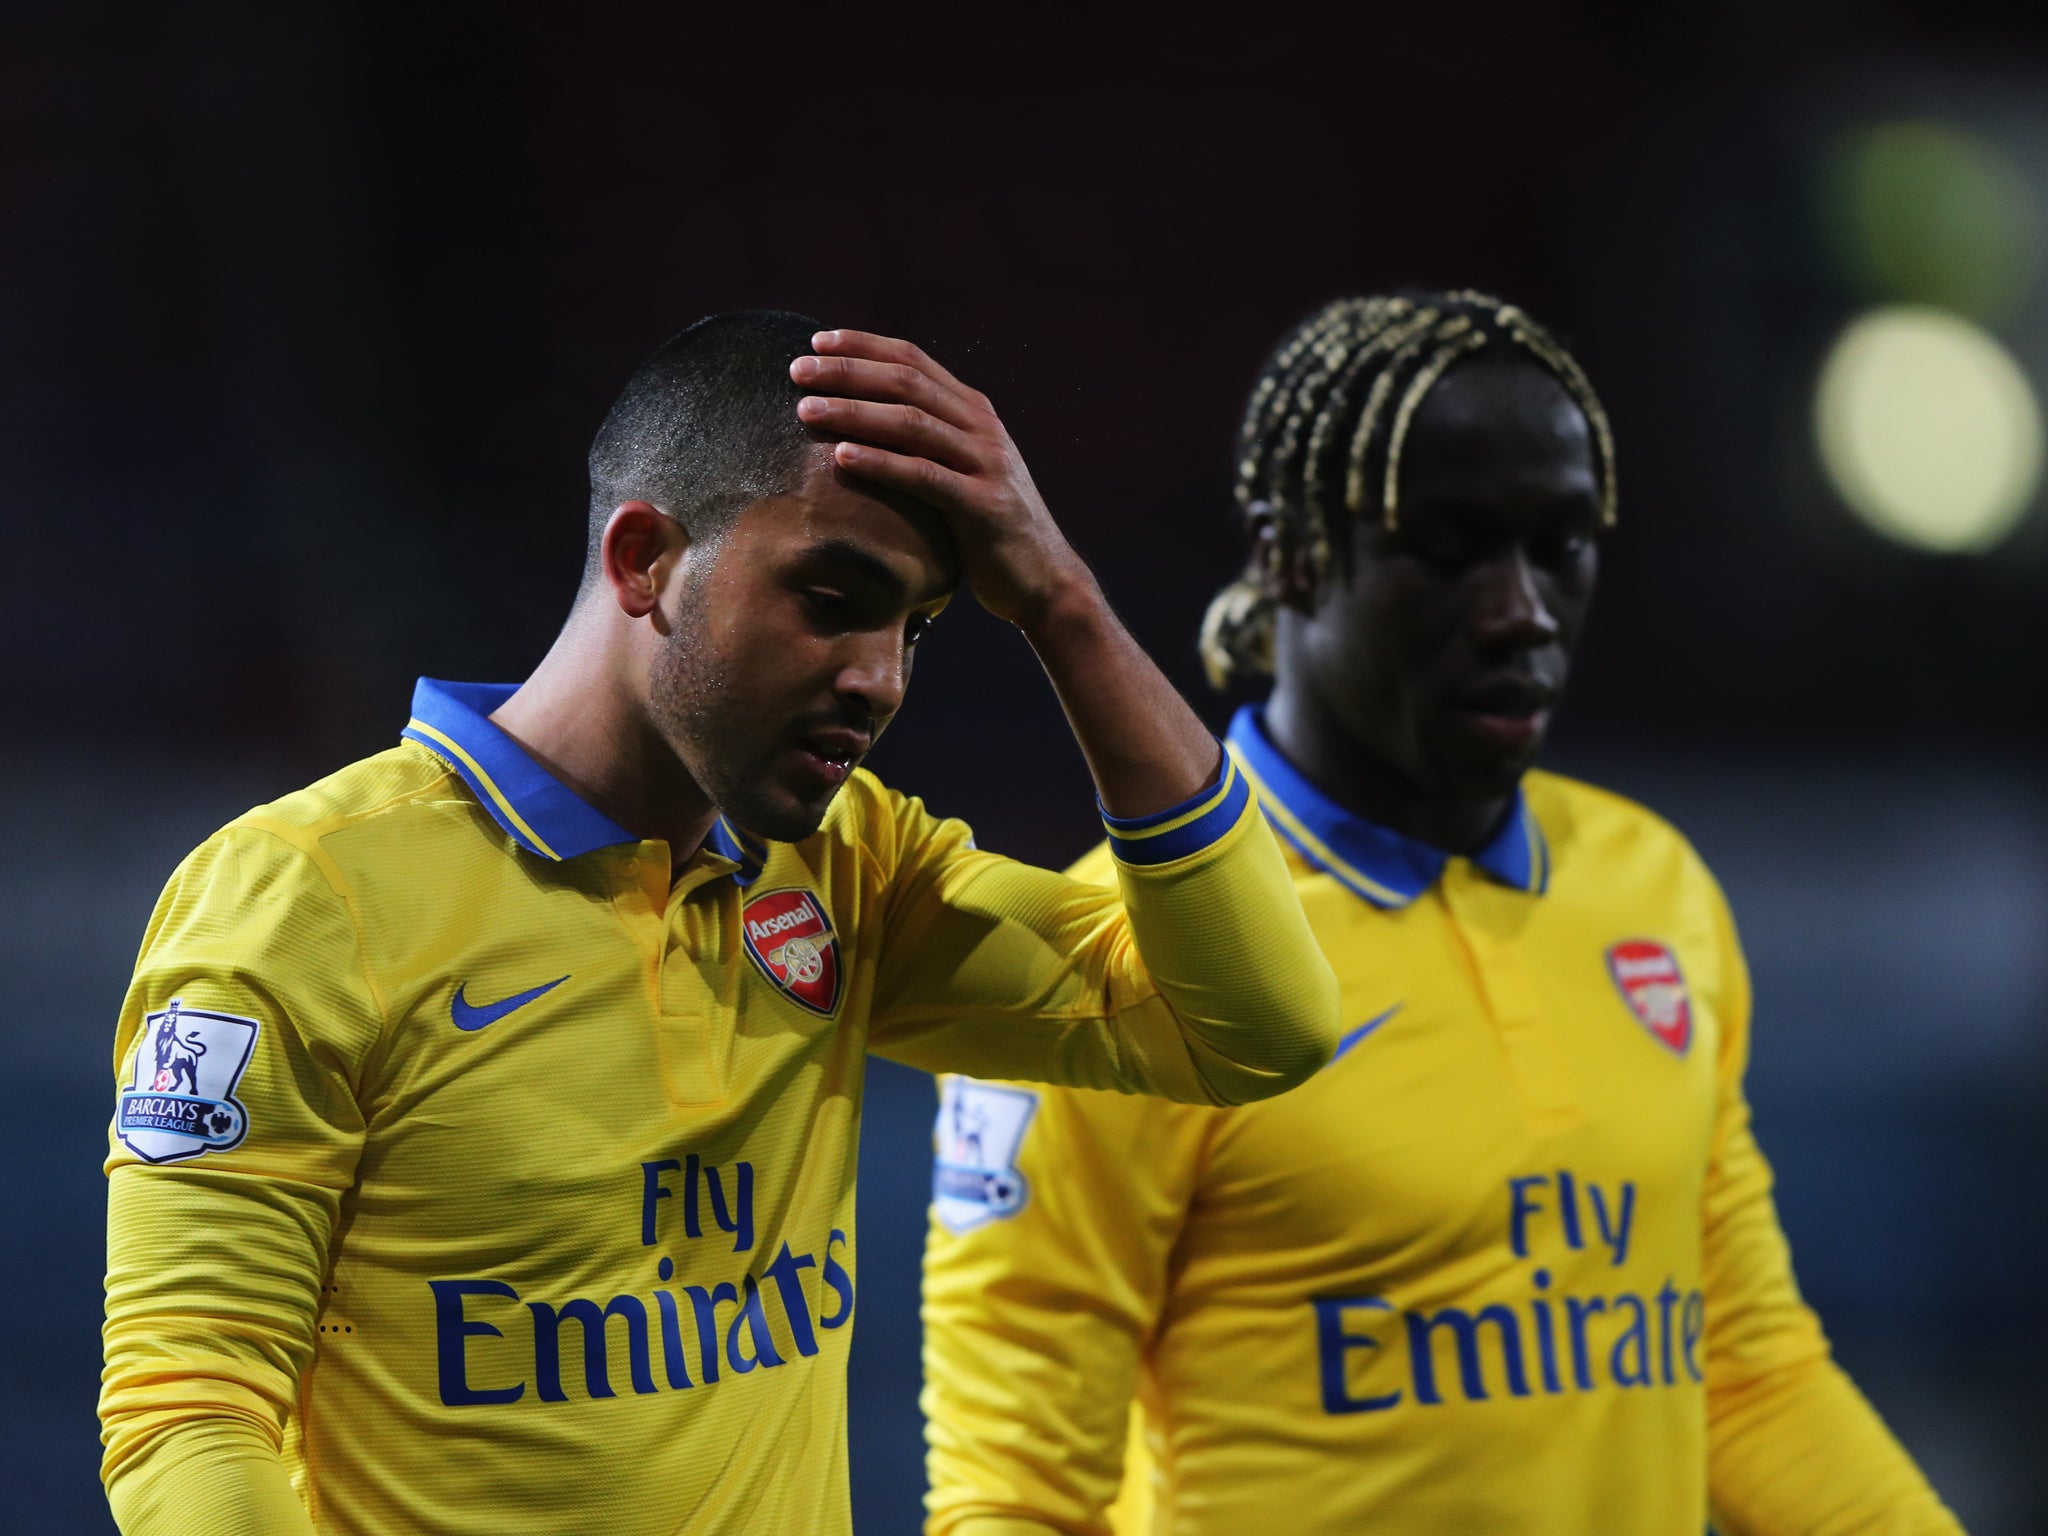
(1455, 336)
(1413, 341)
(1314, 422)
(1272, 398)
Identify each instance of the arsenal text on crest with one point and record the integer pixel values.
(791, 939)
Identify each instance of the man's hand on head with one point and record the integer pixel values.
(908, 424)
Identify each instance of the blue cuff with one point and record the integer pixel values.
(1182, 829)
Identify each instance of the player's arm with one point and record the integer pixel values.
(1194, 978)
(216, 1254)
(1794, 1449)
(1216, 921)
(1036, 1315)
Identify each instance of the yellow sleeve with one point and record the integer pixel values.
(1793, 1448)
(236, 1131)
(1036, 1321)
(1202, 984)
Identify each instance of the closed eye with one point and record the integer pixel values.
(839, 613)
(833, 610)
(1440, 548)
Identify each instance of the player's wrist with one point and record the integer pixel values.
(1065, 606)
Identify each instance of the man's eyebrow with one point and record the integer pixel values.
(1485, 510)
(852, 557)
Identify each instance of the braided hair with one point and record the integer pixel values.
(1329, 417)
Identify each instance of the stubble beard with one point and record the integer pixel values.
(695, 704)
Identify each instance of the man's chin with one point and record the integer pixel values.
(1476, 773)
(780, 818)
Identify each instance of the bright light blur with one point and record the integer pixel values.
(1929, 430)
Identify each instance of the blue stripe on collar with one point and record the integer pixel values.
(1381, 865)
(542, 813)
(749, 852)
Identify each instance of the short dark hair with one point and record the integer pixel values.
(705, 426)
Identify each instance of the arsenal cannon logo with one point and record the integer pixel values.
(791, 940)
(1654, 989)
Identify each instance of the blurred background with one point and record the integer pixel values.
(311, 309)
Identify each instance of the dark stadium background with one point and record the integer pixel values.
(308, 311)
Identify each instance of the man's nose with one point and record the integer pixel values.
(876, 670)
(1511, 608)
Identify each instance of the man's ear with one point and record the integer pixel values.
(1284, 570)
(641, 543)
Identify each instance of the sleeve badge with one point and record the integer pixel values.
(975, 1178)
(180, 1099)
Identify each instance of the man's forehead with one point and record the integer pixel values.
(1494, 388)
(1492, 430)
(835, 517)
(1506, 396)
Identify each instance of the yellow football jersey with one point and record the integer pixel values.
(473, 1169)
(1510, 1263)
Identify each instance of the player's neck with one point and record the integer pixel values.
(1370, 787)
(579, 717)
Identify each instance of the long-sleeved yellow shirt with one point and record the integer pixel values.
(1509, 1264)
(473, 1169)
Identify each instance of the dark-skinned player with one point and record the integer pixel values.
(1510, 1263)
(484, 1152)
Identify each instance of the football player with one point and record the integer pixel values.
(483, 1157)
(1510, 1263)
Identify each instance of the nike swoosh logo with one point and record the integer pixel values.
(1361, 1032)
(470, 1015)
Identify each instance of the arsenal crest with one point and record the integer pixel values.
(1654, 989)
(791, 939)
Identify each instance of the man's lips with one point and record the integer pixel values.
(1506, 697)
(840, 745)
(830, 754)
(1511, 712)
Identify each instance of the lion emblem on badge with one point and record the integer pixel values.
(179, 1100)
(177, 1057)
(980, 1130)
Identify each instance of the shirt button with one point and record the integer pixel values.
(629, 868)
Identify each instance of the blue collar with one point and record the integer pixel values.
(1384, 867)
(542, 814)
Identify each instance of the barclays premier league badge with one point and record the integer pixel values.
(975, 1177)
(180, 1100)
(1654, 989)
(791, 940)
